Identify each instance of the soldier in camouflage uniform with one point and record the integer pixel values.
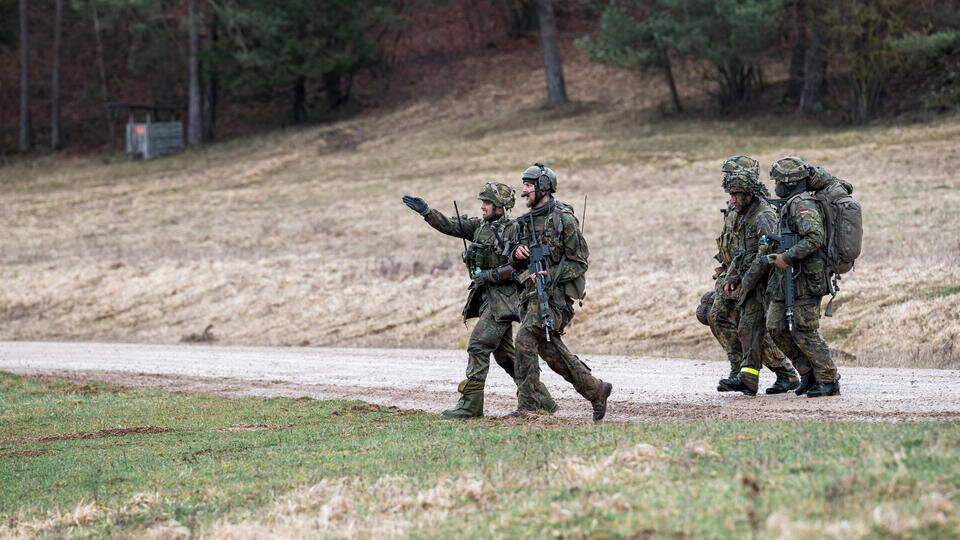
(756, 218)
(555, 226)
(493, 293)
(720, 310)
(802, 343)
(725, 315)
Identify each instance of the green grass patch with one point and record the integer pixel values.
(94, 460)
(937, 292)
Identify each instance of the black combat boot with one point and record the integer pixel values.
(734, 384)
(825, 389)
(600, 402)
(785, 382)
(806, 381)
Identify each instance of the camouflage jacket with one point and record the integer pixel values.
(557, 227)
(759, 220)
(726, 243)
(486, 251)
(803, 216)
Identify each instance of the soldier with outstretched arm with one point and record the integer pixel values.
(493, 293)
(551, 252)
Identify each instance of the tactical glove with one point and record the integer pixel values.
(482, 277)
(416, 204)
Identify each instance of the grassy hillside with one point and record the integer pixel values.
(299, 237)
(149, 463)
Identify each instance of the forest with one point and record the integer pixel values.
(245, 66)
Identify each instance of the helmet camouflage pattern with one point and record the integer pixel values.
(542, 178)
(790, 170)
(741, 163)
(745, 182)
(499, 194)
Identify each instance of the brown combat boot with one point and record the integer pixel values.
(600, 402)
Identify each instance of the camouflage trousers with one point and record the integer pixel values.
(490, 336)
(723, 325)
(757, 346)
(726, 320)
(804, 346)
(532, 341)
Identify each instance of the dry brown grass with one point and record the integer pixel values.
(283, 240)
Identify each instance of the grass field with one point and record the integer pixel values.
(95, 460)
(299, 237)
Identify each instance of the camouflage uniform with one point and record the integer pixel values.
(491, 299)
(722, 316)
(555, 226)
(757, 220)
(804, 345)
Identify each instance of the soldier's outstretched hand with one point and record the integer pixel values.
(416, 204)
(522, 252)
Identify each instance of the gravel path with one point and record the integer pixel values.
(644, 389)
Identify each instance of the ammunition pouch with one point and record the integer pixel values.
(482, 256)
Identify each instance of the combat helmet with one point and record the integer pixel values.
(499, 194)
(790, 170)
(741, 163)
(542, 178)
(745, 182)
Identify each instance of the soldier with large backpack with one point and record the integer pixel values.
(756, 218)
(551, 249)
(819, 235)
(726, 313)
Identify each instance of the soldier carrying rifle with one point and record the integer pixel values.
(551, 249)
(493, 293)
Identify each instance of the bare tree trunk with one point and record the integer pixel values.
(799, 53)
(556, 89)
(211, 94)
(815, 73)
(195, 112)
(102, 68)
(300, 100)
(56, 133)
(668, 71)
(26, 125)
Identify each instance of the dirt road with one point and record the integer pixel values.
(645, 389)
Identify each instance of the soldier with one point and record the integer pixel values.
(555, 228)
(720, 316)
(756, 219)
(798, 335)
(493, 293)
(725, 314)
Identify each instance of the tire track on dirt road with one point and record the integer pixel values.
(645, 389)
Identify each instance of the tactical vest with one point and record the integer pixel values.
(727, 241)
(486, 250)
(550, 232)
(748, 237)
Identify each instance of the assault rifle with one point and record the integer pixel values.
(786, 240)
(540, 262)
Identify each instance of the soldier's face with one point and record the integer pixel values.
(489, 210)
(740, 201)
(528, 193)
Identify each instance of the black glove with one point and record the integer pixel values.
(416, 204)
(482, 277)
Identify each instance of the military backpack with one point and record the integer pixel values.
(842, 226)
(842, 220)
